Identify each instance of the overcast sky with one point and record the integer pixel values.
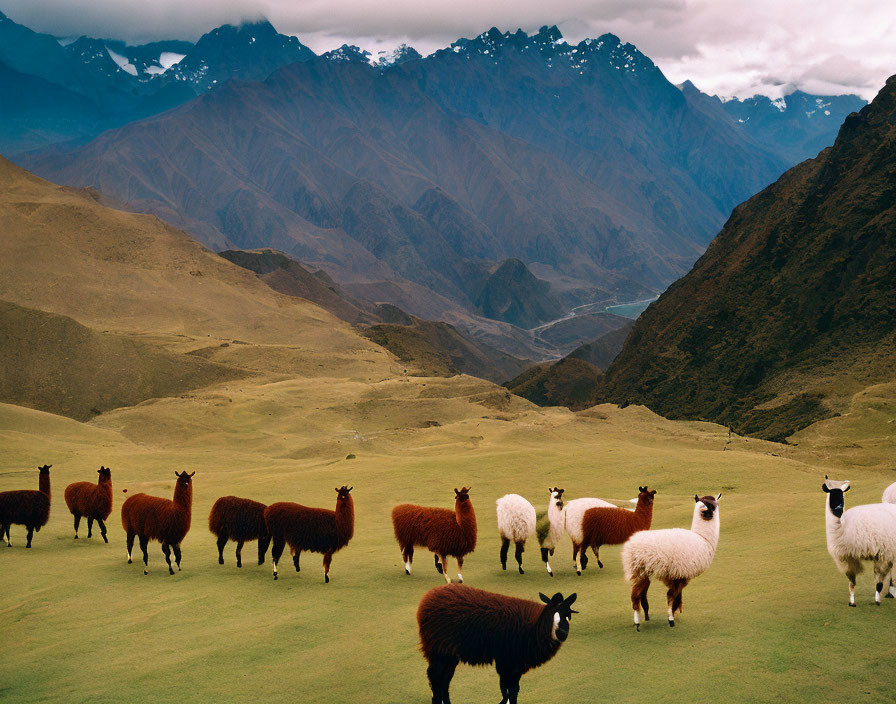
(728, 47)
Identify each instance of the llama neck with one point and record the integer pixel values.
(644, 512)
(833, 525)
(183, 496)
(105, 485)
(43, 483)
(345, 520)
(466, 517)
(555, 518)
(708, 530)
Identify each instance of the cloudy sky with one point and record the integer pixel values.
(729, 47)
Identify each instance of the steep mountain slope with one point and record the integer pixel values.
(54, 364)
(571, 382)
(602, 351)
(512, 294)
(584, 161)
(792, 308)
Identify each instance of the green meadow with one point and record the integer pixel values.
(768, 622)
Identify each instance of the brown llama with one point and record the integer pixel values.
(462, 624)
(233, 518)
(93, 501)
(440, 530)
(155, 518)
(313, 529)
(26, 507)
(613, 526)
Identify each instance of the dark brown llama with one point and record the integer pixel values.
(311, 529)
(462, 624)
(440, 530)
(92, 501)
(233, 518)
(26, 507)
(613, 526)
(165, 520)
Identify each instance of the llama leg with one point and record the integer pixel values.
(295, 559)
(444, 566)
(239, 553)
(520, 548)
(596, 549)
(130, 546)
(144, 544)
(440, 671)
(77, 523)
(89, 527)
(851, 576)
(504, 682)
(407, 554)
(575, 558)
(881, 575)
(891, 594)
(222, 541)
(166, 548)
(99, 522)
(460, 568)
(263, 543)
(673, 597)
(583, 556)
(545, 559)
(505, 546)
(177, 555)
(439, 565)
(30, 534)
(276, 551)
(5, 532)
(639, 599)
(328, 558)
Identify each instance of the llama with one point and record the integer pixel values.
(549, 526)
(889, 497)
(165, 520)
(93, 501)
(613, 526)
(442, 531)
(312, 529)
(573, 514)
(675, 556)
(516, 522)
(233, 518)
(462, 624)
(862, 533)
(26, 507)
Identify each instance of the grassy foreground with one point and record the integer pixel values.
(768, 622)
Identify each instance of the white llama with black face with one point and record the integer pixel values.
(863, 533)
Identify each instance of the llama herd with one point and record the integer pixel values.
(458, 623)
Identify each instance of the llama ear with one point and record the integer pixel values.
(192, 473)
(846, 487)
(824, 488)
(177, 475)
(544, 598)
(718, 496)
(653, 493)
(696, 499)
(350, 488)
(456, 492)
(570, 599)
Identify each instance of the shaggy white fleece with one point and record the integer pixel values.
(516, 517)
(673, 553)
(889, 496)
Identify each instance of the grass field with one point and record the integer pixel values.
(767, 623)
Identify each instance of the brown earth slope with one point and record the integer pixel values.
(793, 307)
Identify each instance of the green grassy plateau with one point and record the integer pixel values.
(767, 622)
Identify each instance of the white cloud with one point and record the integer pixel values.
(728, 47)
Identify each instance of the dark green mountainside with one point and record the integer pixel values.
(793, 306)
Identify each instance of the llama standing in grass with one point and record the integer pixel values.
(613, 526)
(516, 522)
(862, 533)
(674, 556)
(549, 526)
(91, 501)
(573, 513)
(233, 518)
(26, 507)
(462, 624)
(312, 529)
(442, 531)
(889, 497)
(153, 518)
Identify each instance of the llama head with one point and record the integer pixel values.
(44, 469)
(342, 493)
(646, 495)
(463, 494)
(560, 612)
(835, 490)
(105, 474)
(557, 497)
(707, 505)
(183, 479)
